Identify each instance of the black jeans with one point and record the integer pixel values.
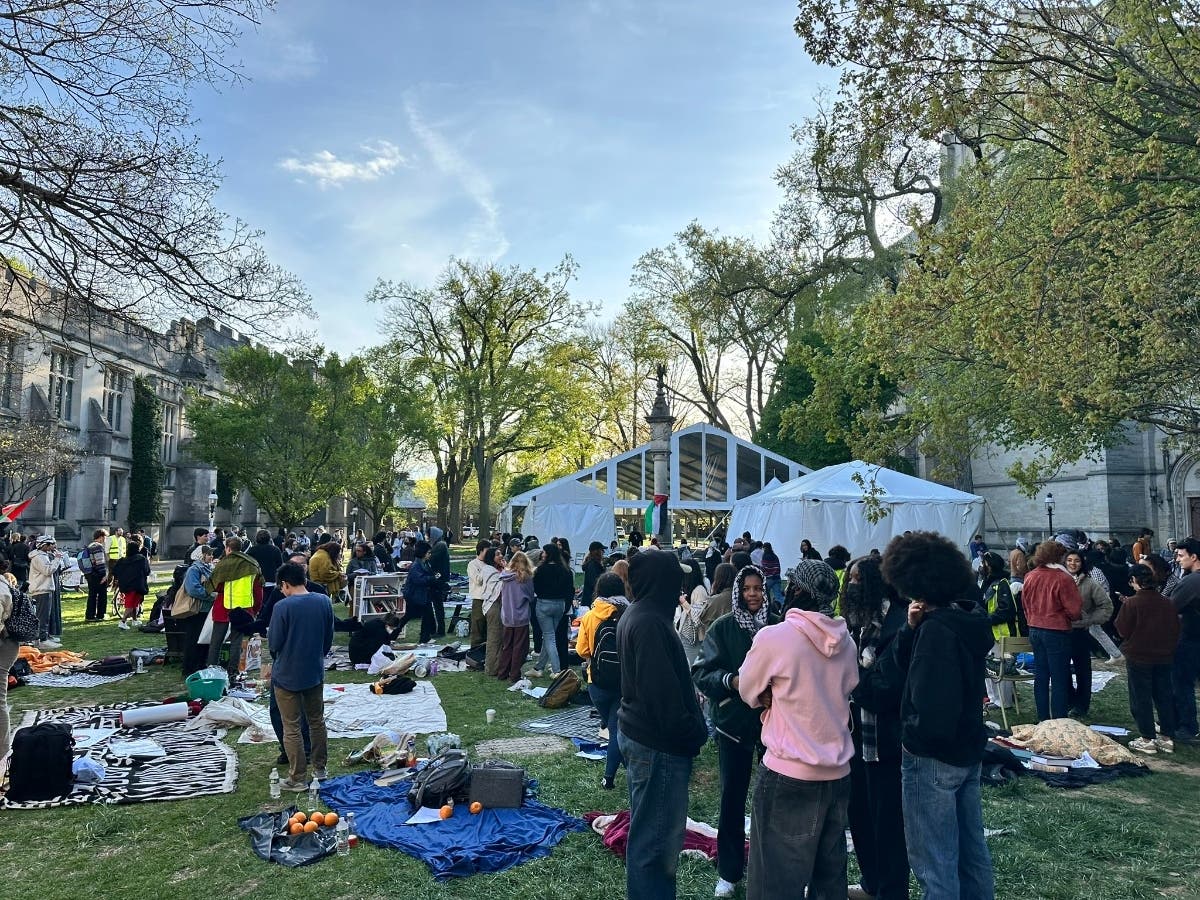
(877, 825)
(735, 763)
(560, 640)
(437, 597)
(195, 654)
(425, 614)
(536, 628)
(1080, 694)
(1149, 690)
(799, 838)
(97, 599)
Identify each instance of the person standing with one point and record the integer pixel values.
(1001, 611)
(661, 728)
(802, 671)
(1185, 670)
(939, 656)
(1096, 610)
(1150, 628)
(417, 586)
(9, 648)
(493, 634)
(593, 568)
(737, 726)
(516, 605)
(268, 556)
(555, 589)
(97, 578)
(300, 634)
(18, 557)
(45, 568)
(238, 582)
(132, 574)
(196, 583)
(1052, 606)
(600, 619)
(439, 562)
(477, 572)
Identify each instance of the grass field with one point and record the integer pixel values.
(1136, 838)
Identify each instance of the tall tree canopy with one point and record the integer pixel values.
(103, 189)
(1055, 298)
(490, 352)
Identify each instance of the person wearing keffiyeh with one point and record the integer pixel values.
(737, 725)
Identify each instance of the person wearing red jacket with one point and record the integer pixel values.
(1052, 603)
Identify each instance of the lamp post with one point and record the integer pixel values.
(239, 514)
(114, 510)
(353, 524)
(212, 509)
(1050, 512)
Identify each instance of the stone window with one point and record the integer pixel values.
(10, 373)
(116, 384)
(62, 384)
(170, 418)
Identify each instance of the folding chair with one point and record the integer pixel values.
(1009, 648)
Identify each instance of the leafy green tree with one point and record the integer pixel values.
(146, 470)
(33, 452)
(289, 430)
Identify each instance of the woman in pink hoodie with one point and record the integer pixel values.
(802, 671)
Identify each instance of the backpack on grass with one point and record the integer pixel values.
(446, 775)
(40, 768)
(560, 691)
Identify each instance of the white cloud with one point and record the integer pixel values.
(486, 236)
(328, 170)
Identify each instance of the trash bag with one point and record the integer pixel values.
(270, 840)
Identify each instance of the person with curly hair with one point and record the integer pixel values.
(1052, 605)
(939, 656)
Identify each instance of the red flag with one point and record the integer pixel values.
(10, 512)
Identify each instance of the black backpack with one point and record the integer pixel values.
(605, 667)
(446, 775)
(40, 768)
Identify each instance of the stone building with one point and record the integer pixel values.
(76, 365)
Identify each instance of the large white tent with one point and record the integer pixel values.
(829, 507)
(570, 510)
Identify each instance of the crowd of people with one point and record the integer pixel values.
(841, 693)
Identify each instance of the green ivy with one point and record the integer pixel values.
(146, 471)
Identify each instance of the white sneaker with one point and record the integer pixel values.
(724, 888)
(1165, 744)
(123, 625)
(48, 645)
(1142, 745)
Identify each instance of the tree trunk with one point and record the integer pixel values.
(484, 476)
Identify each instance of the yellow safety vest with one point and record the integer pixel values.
(116, 547)
(1004, 629)
(239, 594)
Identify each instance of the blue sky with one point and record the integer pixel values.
(381, 138)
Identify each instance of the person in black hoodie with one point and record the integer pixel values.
(875, 615)
(939, 654)
(661, 727)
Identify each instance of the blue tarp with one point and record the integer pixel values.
(490, 841)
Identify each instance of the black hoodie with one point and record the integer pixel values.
(658, 702)
(941, 710)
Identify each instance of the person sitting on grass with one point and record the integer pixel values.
(1150, 627)
(373, 634)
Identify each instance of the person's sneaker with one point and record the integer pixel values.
(856, 892)
(48, 645)
(320, 774)
(1165, 744)
(1142, 745)
(724, 888)
(607, 784)
(296, 787)
(534, 673)
(123, 625)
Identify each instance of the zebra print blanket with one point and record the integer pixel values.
(197, 761)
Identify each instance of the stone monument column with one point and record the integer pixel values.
(660, 421)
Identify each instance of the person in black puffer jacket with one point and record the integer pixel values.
(738, 727)
(661, 727)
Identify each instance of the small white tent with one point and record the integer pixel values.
(829, 507)
(571, 510)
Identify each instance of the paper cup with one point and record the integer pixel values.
(490, 715)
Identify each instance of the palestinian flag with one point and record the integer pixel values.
(10, 512)
(656, 515)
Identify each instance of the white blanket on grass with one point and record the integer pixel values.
(352, 713)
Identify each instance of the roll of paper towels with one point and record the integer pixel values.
(154, 715)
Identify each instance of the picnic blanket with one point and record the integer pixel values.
(464, 844)
(1068, 739)
(72, 679)
(353, 712)
(573, 722)
(196, 763)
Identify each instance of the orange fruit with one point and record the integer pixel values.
(317, 817)
(311, 826)
(476, 807)
(300, 817)
(295, 828)
(331, 818)
(446, 812)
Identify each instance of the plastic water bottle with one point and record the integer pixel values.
(141, 666)
(351, 831)
(314, 793)
(343, 837)
(273, 781)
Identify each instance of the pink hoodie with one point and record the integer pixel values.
(809, 663)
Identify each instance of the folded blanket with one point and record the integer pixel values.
(44, 661)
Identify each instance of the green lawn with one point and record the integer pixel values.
(1138, 838)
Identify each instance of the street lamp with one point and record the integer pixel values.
(114, 510)
(212, 509)
(353, 523)
(1050, 512)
